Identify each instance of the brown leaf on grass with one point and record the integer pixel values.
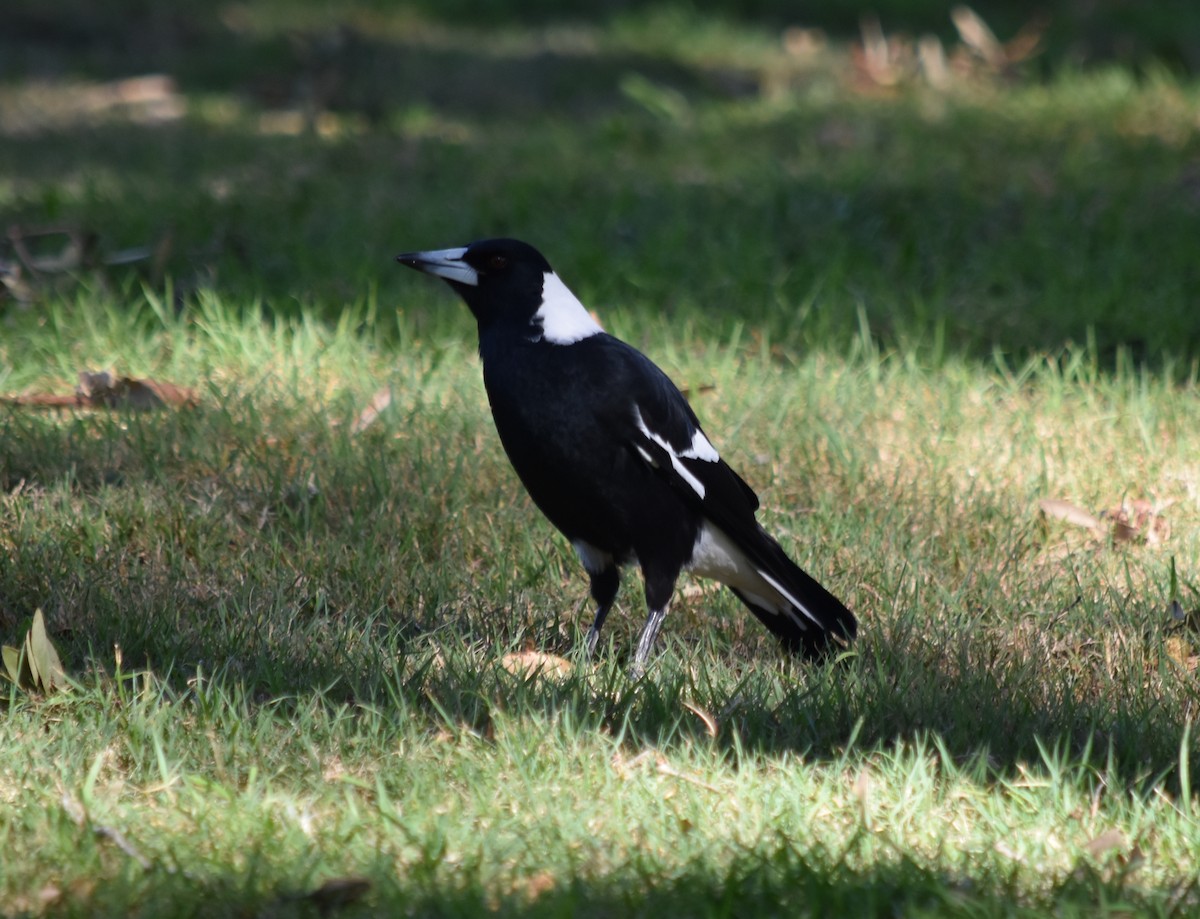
(976, 35)
(1070, 513)
(51, 895)
(665, 768)
(1028, 41)
(367, 417)
(44, 655)
(1134, 519)
(41, 400)
(932, 58)
(538, 884)
(536, 663)
(861, 789)
(52, 898)
(1123, 532)
(625, 768)
(17, 667)
(104, 389)
(982, 41)
(879, 60)
(35, 666)
(1182, 652)
(1139, 518)
(710, 723)
(1106, 842)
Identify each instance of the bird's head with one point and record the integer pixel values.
(509, 283)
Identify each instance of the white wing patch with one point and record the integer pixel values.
(795, 604)
(700, 449)
(645, 454)
(716, 556)
(563, 318)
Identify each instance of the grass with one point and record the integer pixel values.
(906, 315)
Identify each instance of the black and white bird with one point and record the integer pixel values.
(613, 455)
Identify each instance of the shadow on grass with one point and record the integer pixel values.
(994, 721)
(787, 882)
(802, 244)
(647, 177)
(1010, 233)
(345, 599)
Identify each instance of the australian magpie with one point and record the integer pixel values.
(613, 455)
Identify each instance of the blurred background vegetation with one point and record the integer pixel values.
(1009, 177)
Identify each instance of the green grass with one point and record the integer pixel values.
(332, 661)
(905, 316)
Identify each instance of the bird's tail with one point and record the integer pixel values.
(805, 617)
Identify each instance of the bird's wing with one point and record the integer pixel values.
(802, 613)
(668, 437)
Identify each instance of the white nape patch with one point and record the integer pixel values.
(716, 556)
(448, 264)
(563, 318)
(676, 462)
(594, 560)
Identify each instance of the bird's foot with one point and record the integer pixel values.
(590, 643)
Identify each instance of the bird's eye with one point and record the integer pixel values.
(497, 263)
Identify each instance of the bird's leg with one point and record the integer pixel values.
(604, 584)
(659, 589)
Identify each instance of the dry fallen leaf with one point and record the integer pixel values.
(976, 35)
(538, 884)
(1134, 519)
(1180, 650)
(1069, 513)
(862, 792)
(710, 723)
(662, 767)
(380, 401)
(879, 60)
(536, 663)
(104, 389)
(982, 41)
(626, 767)
(1139, 518)
(1106, 842)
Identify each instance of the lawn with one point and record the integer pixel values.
(946, 322)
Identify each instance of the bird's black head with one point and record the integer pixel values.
(491, 275)
(509, 283)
